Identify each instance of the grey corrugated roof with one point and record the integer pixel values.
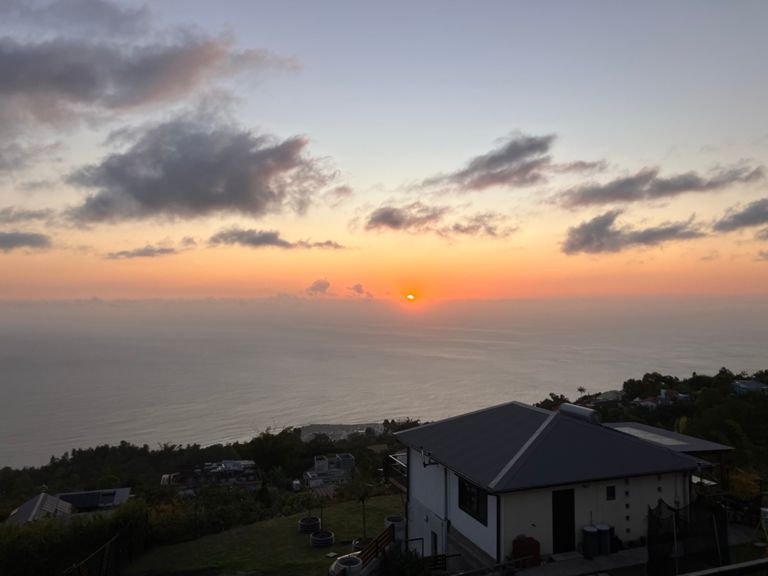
(672, 440)
(516, 447)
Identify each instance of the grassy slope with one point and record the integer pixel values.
(273, 546)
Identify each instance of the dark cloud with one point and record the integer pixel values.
(318, 287)
(11, 215)
(146, 252)
(196, 165)
(602, 235)
(415, 217)
(647, 185)
(61, 80)
(520, 161)
(753, 214)
(98, 17)
(12, 240)
(264, 238)
(419, 218)
(188, 242)
(359, 290)
(16, 156)
(489, 224)
(337, 195)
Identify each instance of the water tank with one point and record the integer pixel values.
(604, 533)
(348, 565)
(399, 523)
(590, 546)
(580, 413)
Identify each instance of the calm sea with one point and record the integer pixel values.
(77, 374)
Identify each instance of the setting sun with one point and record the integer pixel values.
(411, 297)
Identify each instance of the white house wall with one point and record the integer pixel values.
(426, 504)
(529, 512)
(431, 507)
(484, 537)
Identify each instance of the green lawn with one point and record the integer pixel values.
(273, 546)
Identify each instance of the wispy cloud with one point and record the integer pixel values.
(12, 215)
(414, 217)
(145, 252)
(601, 234)
(199, 164)
(420, 218)
(520, 160)
(54, 80)
(318, 287)
(648, 185)
(92, 17)
(753, 214)
(266, 238)
(13, 240)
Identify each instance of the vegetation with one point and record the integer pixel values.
(273, 546)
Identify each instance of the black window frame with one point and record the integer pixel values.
(610, 493)
(473, 500)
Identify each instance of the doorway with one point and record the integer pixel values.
(563, 521)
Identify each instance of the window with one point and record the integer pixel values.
(474, 501)
(626, 505)
(659, 488)
(610, 492)
(626, 493)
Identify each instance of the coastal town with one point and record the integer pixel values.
(615, 482)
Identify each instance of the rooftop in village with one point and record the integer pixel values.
(514, 446)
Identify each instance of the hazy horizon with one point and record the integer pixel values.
(84, 373)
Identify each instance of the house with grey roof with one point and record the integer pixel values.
(40, 507)
(478, 481)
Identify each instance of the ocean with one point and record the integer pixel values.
(78, 374)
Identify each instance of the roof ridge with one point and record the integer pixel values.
(478, 411)
(520, 453)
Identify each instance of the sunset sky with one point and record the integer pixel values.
(360, 150)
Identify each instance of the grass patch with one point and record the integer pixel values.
(273, 546)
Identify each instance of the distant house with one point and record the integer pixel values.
(330, 471)
(40, 507)
(476, 482)
(744, 387)
(90, 500)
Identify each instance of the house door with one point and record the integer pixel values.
(563, 521)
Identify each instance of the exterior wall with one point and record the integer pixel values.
(530, 512)
(426, 504)
(433, 506)
(484, 537)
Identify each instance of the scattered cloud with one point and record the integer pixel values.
(420, 218)
(647, 185)
(318, 287)
(601, 234)
(16, 156)
(762, 234)
(519, 161)
(763, 255)
(199, 164)
(489, 224)
(359, 290)
(11, 215)
(753, 214)
(264, 238)
(63, 80)
(13, 240)
(337, 196)
(98, 17)
(414, 217)
(188, 242)
(146, 252)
